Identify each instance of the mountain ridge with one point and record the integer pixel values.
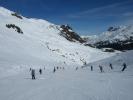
(40, 44)
(118, 38)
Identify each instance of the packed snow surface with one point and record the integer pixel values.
(71, 84)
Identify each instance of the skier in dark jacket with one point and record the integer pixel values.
(101, 68)
(76, 68)
(91, 68)
(110, 65)
(30, 69)
(33, 74)
(124, 67)
(54, 70)
(40, 71)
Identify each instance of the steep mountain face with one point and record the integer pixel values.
(69, 34)
(119, 38)
(29, 42)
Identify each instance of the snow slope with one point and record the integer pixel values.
(117, 62)
(39, 45)
(70, 84)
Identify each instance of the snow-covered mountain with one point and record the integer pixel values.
(120, 38)
(30, 42)
(35, 43)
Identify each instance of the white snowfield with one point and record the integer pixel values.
(41, 46)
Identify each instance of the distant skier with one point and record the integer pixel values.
(76, 68)
(33, 74)
(30, 69)
(91, 68)
(124, 67)
(101, 68)
(44, 68)
(40, 71)
(81, 66)
(85, 63)
(110, 65)
(54, 70)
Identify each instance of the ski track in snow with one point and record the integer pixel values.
(68, 85)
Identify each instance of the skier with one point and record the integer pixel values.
(40, 71)
(33, 74)
(124, 67)
(30, 69)
(91, 68)
(82, 66)
(54, 70)
(76, 68)
(101, 68)
(110, 65)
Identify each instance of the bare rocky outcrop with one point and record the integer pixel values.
(69, 34)
(13, 26)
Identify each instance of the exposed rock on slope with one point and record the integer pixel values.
(17, 15)
(14, 27)
(69, 34)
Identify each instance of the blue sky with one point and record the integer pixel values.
(85, 16)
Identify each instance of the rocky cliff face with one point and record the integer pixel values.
(69, 34)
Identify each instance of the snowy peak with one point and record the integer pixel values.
(118, 33)
(4, 11)
(120, 38)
